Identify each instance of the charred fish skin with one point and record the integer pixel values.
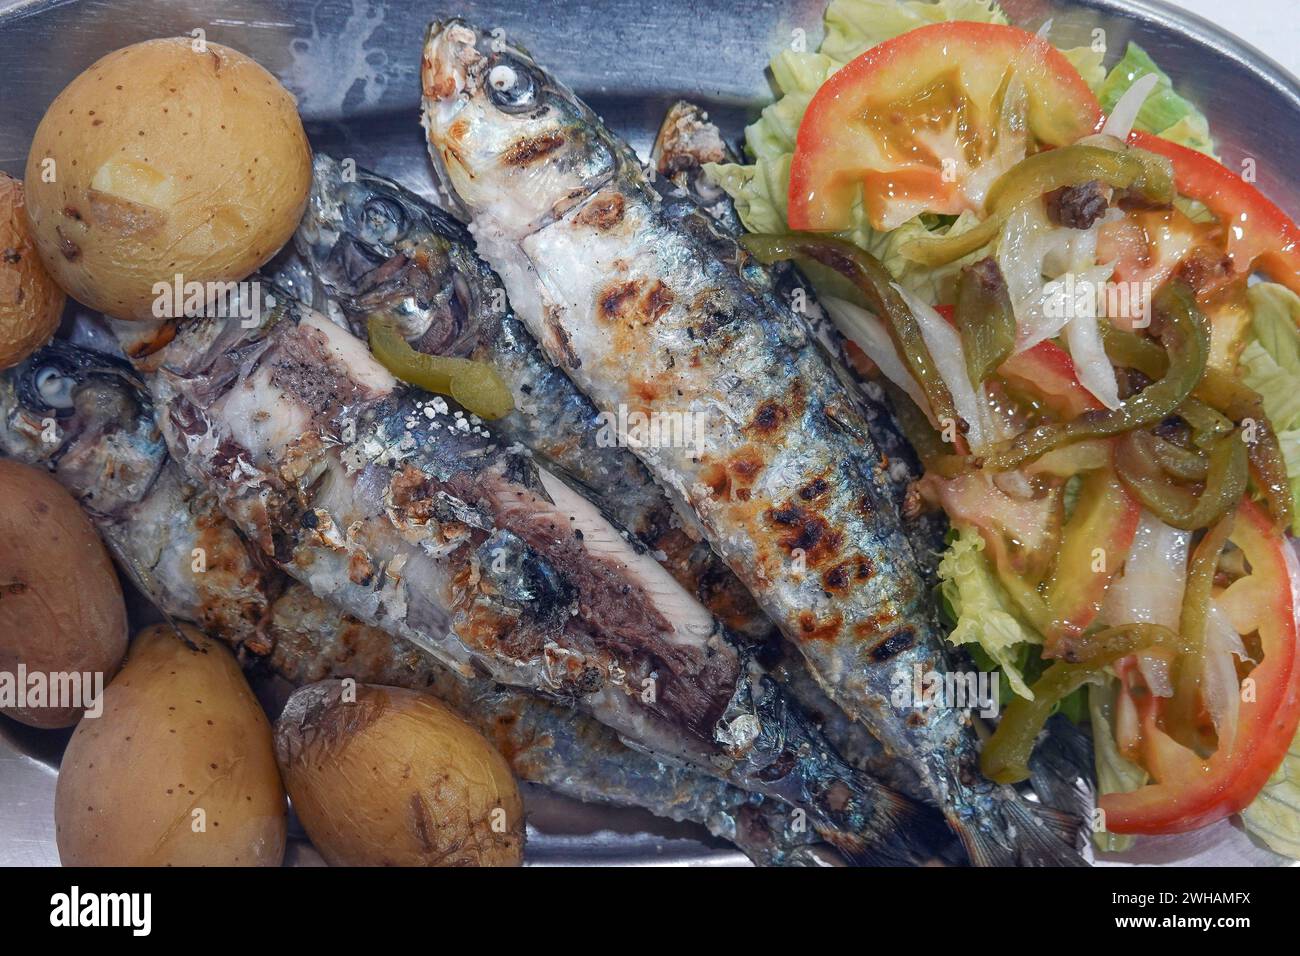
(685, 142)
(1063, 773)
(414, 518)
(370, 247)
(86, 417)
(374, 248)
(189, 560)
(642, 314)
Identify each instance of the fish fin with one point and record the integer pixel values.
(1016, 833)
(900, 832)
(1063, 777)
(1068, 826)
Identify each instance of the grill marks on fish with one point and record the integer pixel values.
(155, 526)
(701, 352)
(604, 212)
(526, 152)
(429, 261)
(634, 301)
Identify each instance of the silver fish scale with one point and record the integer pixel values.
(257, 417)
(154, 532)
(423, 250)
(642, 314)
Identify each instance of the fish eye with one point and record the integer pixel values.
(382, 221)
(48, 388)
(54, 388)
(511, 85)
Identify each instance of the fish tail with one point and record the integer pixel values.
(1062, 773)
(1011, 832)
(897, 831)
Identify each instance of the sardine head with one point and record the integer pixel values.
(85, 416)
(512, 144)
(375, 249)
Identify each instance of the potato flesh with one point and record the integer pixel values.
(136, 183)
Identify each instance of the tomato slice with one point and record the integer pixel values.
(1047, 371)
(1259, 234)
(1190, 792)
(914, 123)
(1093, 544)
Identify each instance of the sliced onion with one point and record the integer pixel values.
(1012, 143)
(1222, 687)
(1155, 671)
(1150, 591)
(949, 356)
(1031, 248)
(1120, 122)
(869, 334)
(1091, 365)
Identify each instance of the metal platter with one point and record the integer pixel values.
(353, 66)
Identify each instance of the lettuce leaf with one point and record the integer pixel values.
(1090, 63)
(1164, 112)
(982, 609)
(854, 26)
(1270, 364)
(1115, 772)
(1274, 815)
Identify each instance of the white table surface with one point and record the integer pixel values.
(1272, 26)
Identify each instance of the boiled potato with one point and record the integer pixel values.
(160, 161)
(382, 776)
(30, 301)
(61, 608)
(178, 771)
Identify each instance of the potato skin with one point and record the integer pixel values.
(167, 161)
(395, 778)
(31, 303)
(61, 606)
(180, 730)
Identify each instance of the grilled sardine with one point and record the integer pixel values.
(644, 314)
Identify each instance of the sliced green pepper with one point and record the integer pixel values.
(1148, 175)
(985, 319)
(1225, 481)
(876, 285)
(1183, 716)
(1267, 466)
(1208, 424)
(1186, 336)
(1218, 402)
(936, 455)
(1185, 464)
(475, 385)
(1130, 350)
(1145, 173)
(1005, 758)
